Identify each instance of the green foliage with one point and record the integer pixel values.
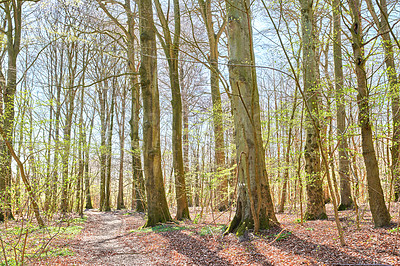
(69, 231)
(159, 228)
(297, 221)
(197, 218)
(211, 230)
(281, 236)
(62, 252)
(38, 240)
(284, 235)
(394, 230)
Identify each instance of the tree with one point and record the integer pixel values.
(315, 201)
(171, 50)
(254, 204)
(394, 86)
(138, 191)
(346, 201)
(377, 204)
(157, 207)
(13, 12)
(213, 39)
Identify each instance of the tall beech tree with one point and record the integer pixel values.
(157, 207)
(213, 39)
(346, 200)
(394, 85)
(315, 199)
(380, 213)
(170, 46)
(254, 203)
(13, 14)
(138, 190)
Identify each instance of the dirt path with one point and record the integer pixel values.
(101, 244)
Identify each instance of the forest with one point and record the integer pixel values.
(199, 132)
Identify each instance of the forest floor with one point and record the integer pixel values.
(115, 238)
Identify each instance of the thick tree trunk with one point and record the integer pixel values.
(377, 204)
(158, 211)
(346, 201)
(315, 199)
(254, 203)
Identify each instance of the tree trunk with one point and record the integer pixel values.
(213, 38)
(66, 152)
(103, 154)
(138, 190)
(346, 201)
(315, 198)
(107, 200)
(185, 139)
(13, 13)
(70, 99)
(88, 204)
(379, 211)
(287, 156)
(171, 50)
(254, 203)
(394, 87)
(158, 211)
(120, 199)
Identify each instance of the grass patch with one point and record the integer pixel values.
(160, 228)
(211, 230)
(58, 252)
(281, 236)
(70, 231)
(38, 240)
(394, 230)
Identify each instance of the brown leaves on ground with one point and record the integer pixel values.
(313, 243)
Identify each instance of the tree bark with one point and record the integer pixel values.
(377, 204)
(315, 199)
(107, 200)
(254, 202)
(383, 29)
(13, 13)
(219, 142)
(287, 156)
(346, 201)
(120, 199)
(138, 190)
(88, 204)
(158, 211)
(103, 155)
(70, 95)
(171, 50)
